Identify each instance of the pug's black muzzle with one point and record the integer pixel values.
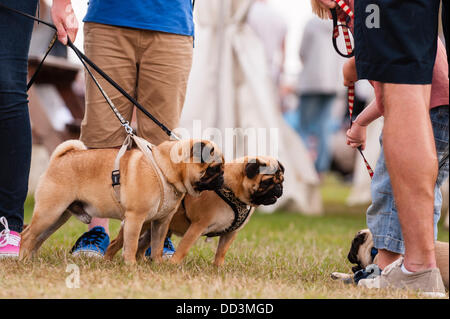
(268, 192)
(213, 179)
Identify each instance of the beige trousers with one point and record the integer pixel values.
(151, 66)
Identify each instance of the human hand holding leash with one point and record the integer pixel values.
(65, 20)
(356, 135)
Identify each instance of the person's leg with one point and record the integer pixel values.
(411, 160)
(403, 69)
(309, 127)
(400, 56)
(113, 50)
(15, 130)
(164, 67)
(382, 215)
(324, 134)
(382, 218)
(440, 122)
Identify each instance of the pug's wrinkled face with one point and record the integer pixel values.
(263, 180)
(207, 166)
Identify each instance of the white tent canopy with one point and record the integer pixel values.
(230, 87)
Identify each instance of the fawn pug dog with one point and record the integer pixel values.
(361, 253)
(78, 182)
(252, 181)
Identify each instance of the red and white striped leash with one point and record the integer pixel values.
(351, 88)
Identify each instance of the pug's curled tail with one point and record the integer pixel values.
(67, 146)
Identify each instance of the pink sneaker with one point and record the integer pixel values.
(9, 241)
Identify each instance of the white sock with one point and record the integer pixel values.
(406, 271)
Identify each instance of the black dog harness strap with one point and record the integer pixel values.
(240, 209)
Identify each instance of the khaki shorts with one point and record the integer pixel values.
(151, 66)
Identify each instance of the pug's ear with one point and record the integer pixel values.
(196, 151)
(252, 169)
(359, 239)
(281, 166)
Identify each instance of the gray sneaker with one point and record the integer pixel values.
(428, 282)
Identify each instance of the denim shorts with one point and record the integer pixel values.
(382, 216)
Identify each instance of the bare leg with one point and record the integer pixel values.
(104, 222)
(412, 164)
(386, 257)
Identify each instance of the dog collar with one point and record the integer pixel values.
(373, 252)
(241, 211)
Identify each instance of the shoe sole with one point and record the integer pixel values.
(437, 295)
(9, 255)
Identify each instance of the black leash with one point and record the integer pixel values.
(84, 59)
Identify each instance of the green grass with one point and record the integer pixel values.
(281, 255)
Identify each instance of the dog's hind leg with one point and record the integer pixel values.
(144, 241)
(50, 212)
(131, 231)
(114, 246)
(39, 230)
(159, 231)
(225, 242)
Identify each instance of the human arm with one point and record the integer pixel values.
(65, 20)
(349, 72)
(356, 135)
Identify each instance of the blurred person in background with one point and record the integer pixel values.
(271, 29)
(319, 84)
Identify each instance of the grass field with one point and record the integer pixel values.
(279, 255)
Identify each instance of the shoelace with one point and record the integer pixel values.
(92, 237)
(6, 238)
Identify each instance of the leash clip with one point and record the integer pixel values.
(128, 128)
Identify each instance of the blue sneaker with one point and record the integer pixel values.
(92, 243)
(168, 249)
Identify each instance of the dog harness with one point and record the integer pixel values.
(146, 148)
(241, 211)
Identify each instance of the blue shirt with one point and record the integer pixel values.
(172, 16)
